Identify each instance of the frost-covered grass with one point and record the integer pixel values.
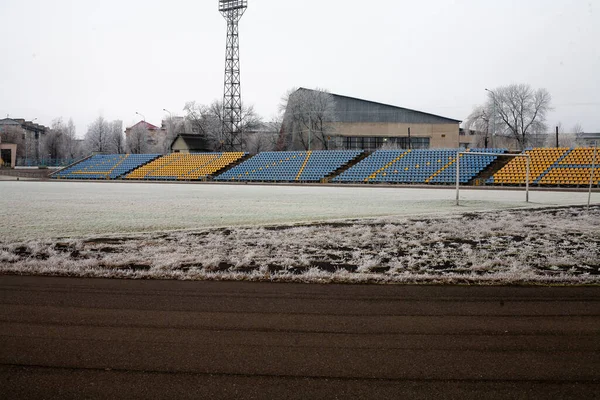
(41, 210)
(555, 245)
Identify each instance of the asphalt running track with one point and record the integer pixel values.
(93, 338)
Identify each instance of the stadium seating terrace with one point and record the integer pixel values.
(290, 166)
(550, 167)
(574, 169)
(418, 166)
(105, 166)
(189, 167)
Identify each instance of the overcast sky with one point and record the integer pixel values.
(84, 58)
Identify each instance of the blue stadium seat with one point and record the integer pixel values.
(290, 166)
(105, 166)
(417, 166)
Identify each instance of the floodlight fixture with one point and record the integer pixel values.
(226, 6)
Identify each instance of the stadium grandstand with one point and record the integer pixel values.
(291, 166)
(548, 167)
(105, 166)
(186, 166)
(417, 166)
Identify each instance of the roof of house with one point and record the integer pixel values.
(9, 121)
(27, 125)
(590, 136)
(353, 109)
(146, 125)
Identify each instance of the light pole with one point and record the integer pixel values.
(141, 115)
(170, 118)
(170, 134)
(309, 130)
(493, 114)
(36, 138)
(592, 174)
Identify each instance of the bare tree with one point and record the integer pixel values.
(251, 124)
(60, 143)
(309, 118)
(137, 140)
(205, 121)
(208, 122)
(263, 138)
(73, 148)
(173, 127)
(275, 125)
(117, 138)
(577, 129)
(479, 121)
(578, 132)
(567, 138)
(520, 110)
(54, 145)
(98, 137)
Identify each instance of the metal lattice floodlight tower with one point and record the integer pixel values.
(232, 11)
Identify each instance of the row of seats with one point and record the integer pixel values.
(541, 159)
(418, 166)
(555, 166)
(580, 156)
(290, 166)
(570, 176)
(105, 166)
(190, 167)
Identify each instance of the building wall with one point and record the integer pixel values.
(27, 135)
(366, 124)
(469, 140)
(179, 146)
(190, 144)
(12, 148)
(440, 135)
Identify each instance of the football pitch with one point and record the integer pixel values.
(298, 233)
(43, 210)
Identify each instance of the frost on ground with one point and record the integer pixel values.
(40, 210)
(557, 245)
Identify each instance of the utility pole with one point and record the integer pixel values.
(309, 130)
(493, 114)
(592, 175)
(486, 119)
(557, 137)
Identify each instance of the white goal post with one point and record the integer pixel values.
(468, 153)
